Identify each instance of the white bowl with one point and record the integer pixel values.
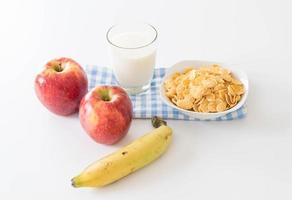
(178, 67)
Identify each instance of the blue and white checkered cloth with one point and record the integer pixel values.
(149, 104)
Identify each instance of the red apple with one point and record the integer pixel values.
(61, 86)
(106, 114)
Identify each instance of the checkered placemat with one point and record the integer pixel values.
(149, 104)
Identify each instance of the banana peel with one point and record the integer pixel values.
(128, 159)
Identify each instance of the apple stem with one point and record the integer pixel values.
(104, 94)
(157, 121)
(58, 67)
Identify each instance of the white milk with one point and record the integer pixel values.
(133, 66)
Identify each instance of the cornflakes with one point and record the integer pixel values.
(206, 89)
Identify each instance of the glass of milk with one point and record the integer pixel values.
(133, 51)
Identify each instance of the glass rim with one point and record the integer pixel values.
(138, 47)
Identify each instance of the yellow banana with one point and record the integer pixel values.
(128, 159)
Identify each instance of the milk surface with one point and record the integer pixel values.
(134, 61)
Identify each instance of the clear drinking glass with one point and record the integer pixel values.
(133, 51)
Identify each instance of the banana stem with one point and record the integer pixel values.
(157, 121)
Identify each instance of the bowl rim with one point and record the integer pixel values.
(177, 65)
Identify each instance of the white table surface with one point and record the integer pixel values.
(243, 159)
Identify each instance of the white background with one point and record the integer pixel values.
(243, 159)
